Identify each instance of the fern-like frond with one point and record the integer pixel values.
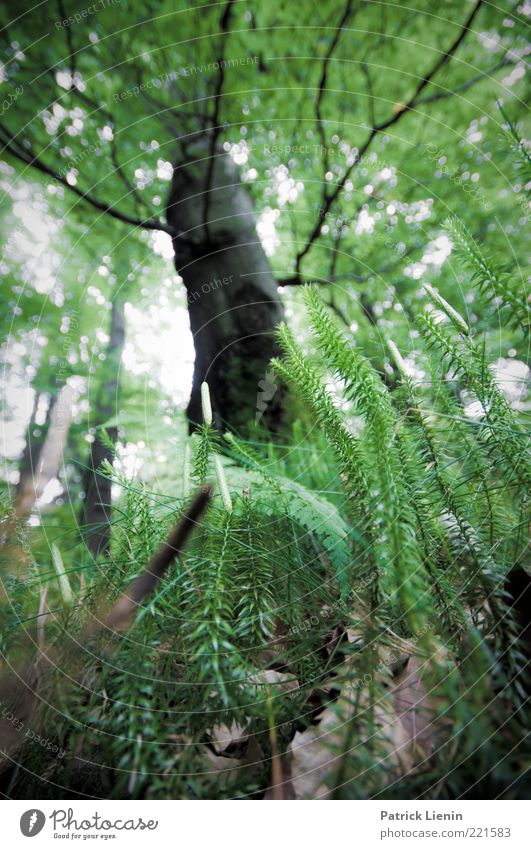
(492, 282)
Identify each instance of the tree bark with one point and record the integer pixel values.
(97, 507)
(232, 296)
(32, 447)
(46, 462)
(42, 463)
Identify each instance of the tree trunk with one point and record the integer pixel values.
(232, 296)
(97, 508)
(50, 453)
(41, 464)
(35, 436)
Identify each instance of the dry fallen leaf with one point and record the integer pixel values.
(280, 681)
(223, 736)
(407, 717)
(226, 769)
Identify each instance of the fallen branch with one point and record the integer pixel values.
(20, 687)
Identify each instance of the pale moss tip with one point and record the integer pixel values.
(205, 404)
(456, 319)
(397, 357)
(222, 483)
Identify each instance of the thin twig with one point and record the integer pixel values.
(33, 161)
(216, 128)
(120, 615)
(324, 79)
(330, 198)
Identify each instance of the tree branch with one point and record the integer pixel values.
(324, 78)
(338, 311)
(448, 55)
(216, 127)
(370, 95)
(69, 39)
(441, 95)
(28, 159)
(329, 199)
(298, 280)
(96, 107)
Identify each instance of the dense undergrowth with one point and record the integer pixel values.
(341, 623)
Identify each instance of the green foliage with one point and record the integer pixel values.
(380, 527)
(519, 148)
(498, 429)
(416, 550)
(492, 281)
